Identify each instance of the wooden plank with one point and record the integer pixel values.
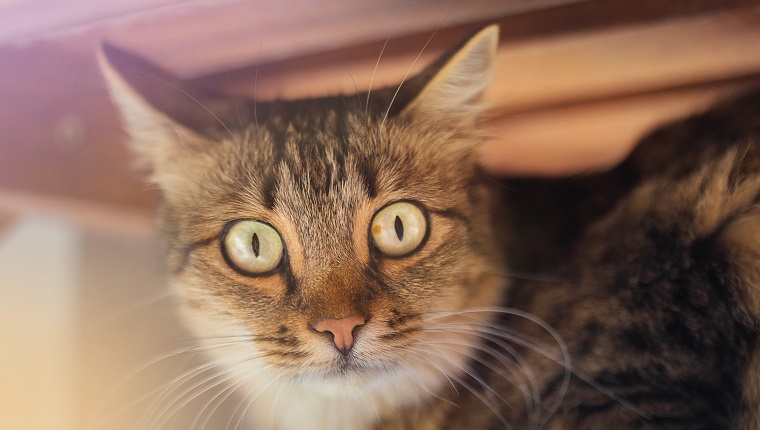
(59, 135)
(199, 37)
(98, 216)
(27, 20)
(591, 136)
(196, 37)
(535, 73)
(627, 60)
(560, 140)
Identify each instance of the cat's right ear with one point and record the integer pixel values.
(455, 83)
(165, 116)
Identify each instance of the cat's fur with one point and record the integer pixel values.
(653, 283)
(651, 269)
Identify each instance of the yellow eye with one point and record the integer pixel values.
(252, 247)
(399, 228)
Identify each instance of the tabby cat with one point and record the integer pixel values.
(346, 265)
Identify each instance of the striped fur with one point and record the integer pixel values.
(623, 299)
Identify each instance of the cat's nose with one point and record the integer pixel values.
(342, 330)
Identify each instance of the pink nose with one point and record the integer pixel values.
(342, 330)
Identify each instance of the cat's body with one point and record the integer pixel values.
(334, 314)
(652, 281)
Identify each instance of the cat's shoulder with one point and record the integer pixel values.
(679, 147)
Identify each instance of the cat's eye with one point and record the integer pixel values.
(252, 247)
(399, 228)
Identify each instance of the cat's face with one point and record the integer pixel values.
(365, 224)
(322, 242)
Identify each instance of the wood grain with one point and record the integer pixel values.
(594, 135)
(575, 85)
(194, 38)
(537, 73)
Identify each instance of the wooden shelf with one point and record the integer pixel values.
(576, 83)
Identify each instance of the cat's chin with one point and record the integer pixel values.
(333, 391)
(351, 381)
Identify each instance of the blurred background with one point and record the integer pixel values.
(82, 298)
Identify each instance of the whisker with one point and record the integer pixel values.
(500, 333)
(358, 96)
(469, 372)
(181, 142)
(274, 405)
(379, 57)
(121, 384)
(253, 397)
(528, 276)
(421, 385)
(476, 393)
(390, 105)
(185, 93)
(234, 101)
(565, 362)
(255, 83)
(218, 400)
(517, 378)
(443, 372)
(127, 310)
(177, 402)
(508, 334)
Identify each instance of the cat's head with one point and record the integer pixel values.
(323, 240)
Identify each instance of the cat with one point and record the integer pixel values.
(655, 282)
(346, 264)
(325, 244)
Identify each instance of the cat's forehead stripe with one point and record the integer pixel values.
(268, 191)
(313, 146)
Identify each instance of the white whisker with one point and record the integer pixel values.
(188, 95)
(216, 401)
(413, 351)
(469, 371)
(379, 57)
(475, 392)
(274, 406)
(253, 396)
(517, 379)
(237, 110)
(421, 385)
(121, 384)
(409, 71)
(134, 307)
(176, 402)
(528, 276)
(564, 361)
(255, 83)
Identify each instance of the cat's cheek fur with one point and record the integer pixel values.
(358, 398)
(317, 170)
(391, 375)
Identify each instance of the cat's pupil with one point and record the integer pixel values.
(399, 226)
(256, 244)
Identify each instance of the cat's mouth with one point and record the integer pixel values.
(345, 375)
(345, 365)
(349, 366)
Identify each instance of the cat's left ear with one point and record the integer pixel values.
(459, 79)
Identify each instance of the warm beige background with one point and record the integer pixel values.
(82, 299)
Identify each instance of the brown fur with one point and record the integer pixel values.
(655, 290)
(639, 307)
